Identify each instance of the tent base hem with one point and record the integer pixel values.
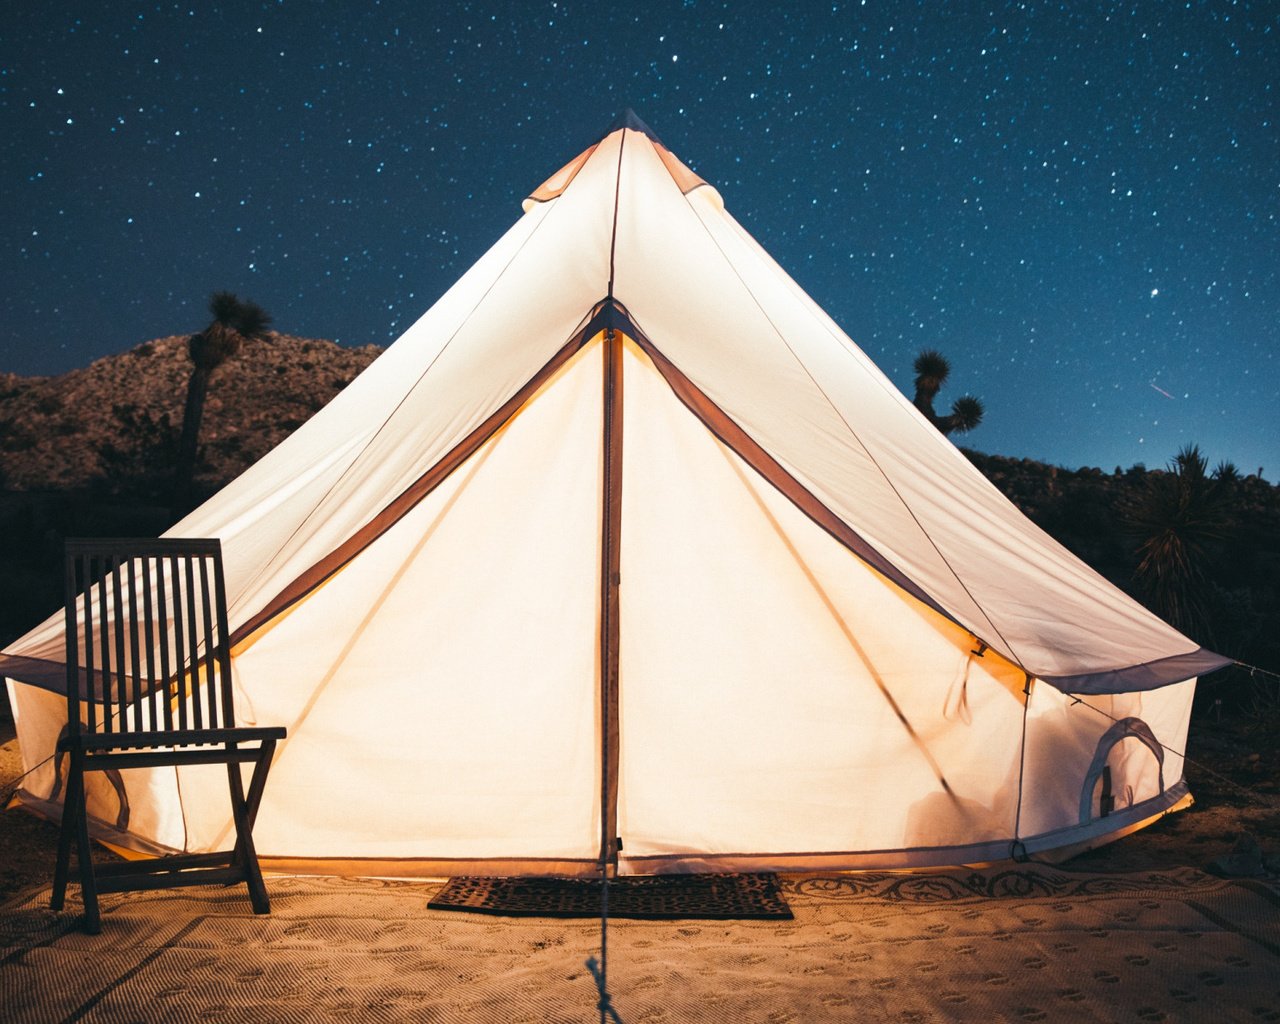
(1048, 847)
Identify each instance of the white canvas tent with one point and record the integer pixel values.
(625, 540)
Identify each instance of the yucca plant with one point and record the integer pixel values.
(1177, 518)
(1226, 473)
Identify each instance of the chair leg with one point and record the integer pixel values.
(66, 831)
(88, 883)
(245, 856)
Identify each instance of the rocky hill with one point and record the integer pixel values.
(114, 424)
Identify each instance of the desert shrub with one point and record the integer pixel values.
(17, 439)
(142, 464)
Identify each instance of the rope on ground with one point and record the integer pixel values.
(605, 1003)
(600, 968)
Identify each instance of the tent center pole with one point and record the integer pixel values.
(610, 581)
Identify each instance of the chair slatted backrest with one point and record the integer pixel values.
(147, 637)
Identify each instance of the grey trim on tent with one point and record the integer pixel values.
(47, 675)
(1150, 675)
(608, 314)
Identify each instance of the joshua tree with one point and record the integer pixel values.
(1177, 519)
(932, 370)
(234, 322)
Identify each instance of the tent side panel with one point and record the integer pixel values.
(778, 697)
(441, 690)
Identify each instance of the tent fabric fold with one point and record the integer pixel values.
(625, 540)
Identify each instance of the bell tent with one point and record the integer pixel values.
(625, 550)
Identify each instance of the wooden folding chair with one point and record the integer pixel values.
(149, 684)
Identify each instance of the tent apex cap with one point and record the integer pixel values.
(630, 119)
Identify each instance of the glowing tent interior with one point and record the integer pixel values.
(624, 548)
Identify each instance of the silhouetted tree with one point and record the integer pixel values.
(932, 370)
(234, 322)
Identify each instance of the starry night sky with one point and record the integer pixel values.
(1078, 203)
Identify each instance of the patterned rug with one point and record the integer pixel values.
(1025, 945)
(642, 898)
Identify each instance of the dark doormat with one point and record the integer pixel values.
(647, 897)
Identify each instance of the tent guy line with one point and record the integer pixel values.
(843, 626)
(1008, 648)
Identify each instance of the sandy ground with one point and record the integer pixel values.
(1233, 770)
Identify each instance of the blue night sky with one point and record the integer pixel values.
(1077, 203)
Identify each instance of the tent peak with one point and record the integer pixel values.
(684, 178)
(629, 119)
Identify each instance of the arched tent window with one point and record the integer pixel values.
(1103, 791)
